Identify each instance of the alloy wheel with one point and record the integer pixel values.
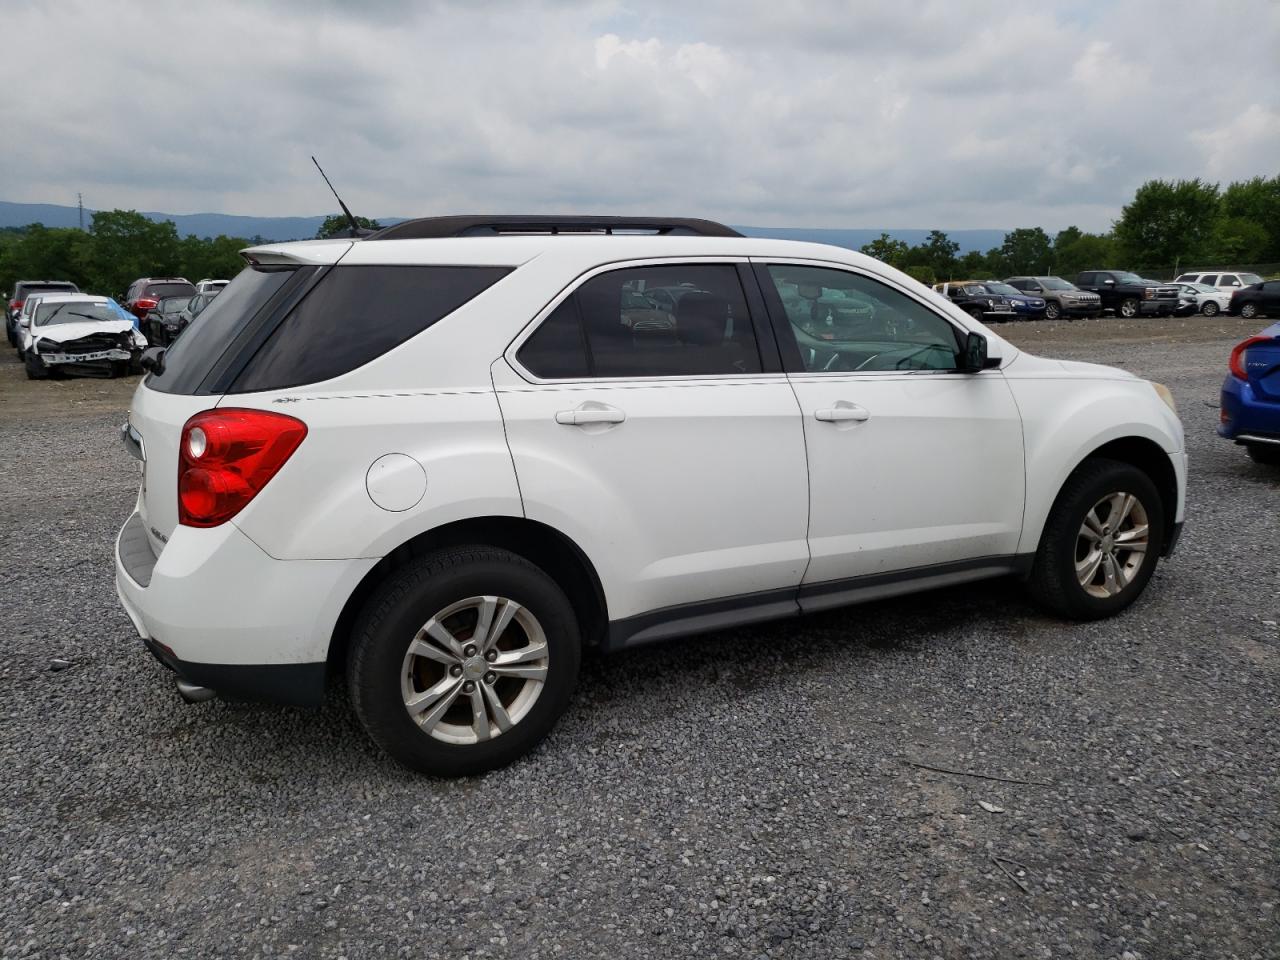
(1249, 311)
(1112, 544)
(474, 670)
(1129, 309)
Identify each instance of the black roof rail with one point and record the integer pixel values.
(496, 226)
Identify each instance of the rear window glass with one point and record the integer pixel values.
(29, 288)
(193, 355)
(158, 291)
(354, 314)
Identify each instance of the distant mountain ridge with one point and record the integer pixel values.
(304, 228)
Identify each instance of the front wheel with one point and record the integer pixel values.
(37, 369)
(463, 660)
(1129, 308)
(1052, 311)
(1101, 541)
(1249, 311)
(1209, 308)
(1267, 454)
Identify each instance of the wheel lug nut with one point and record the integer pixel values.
(455, 671)
(470, 651)
(491, 656)
(490, 677)
(468, 687)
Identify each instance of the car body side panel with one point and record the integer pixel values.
(1065, 420)
(455, 436)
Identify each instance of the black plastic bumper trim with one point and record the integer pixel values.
(296, 684)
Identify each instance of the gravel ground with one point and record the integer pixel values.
(747, 794)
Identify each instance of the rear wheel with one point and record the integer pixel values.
(1101, 542)
(1209, 308)
(464, 660)
(1264, 453)
(1249, 311)
(1129, 307)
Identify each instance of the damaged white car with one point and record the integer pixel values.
(81, 334)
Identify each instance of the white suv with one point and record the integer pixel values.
(443, 459)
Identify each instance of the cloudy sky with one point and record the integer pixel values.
(837, 113)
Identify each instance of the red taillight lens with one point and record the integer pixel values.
(226, 457)
(16, 305)
(146, 304)
(1236, 363)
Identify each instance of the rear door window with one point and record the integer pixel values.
(353, 315)
(669, 320)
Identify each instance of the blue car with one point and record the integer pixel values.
(1025, 306)
(1251, 396)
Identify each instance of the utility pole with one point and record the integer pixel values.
(80, 204)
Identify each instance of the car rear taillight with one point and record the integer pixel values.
(16, 306)
(226, 457)
(146, 304)
(1236, 363)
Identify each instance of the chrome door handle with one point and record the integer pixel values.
(842, 410)
(590, 412)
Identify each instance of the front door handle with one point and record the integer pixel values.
(841, 411)
(590, 412)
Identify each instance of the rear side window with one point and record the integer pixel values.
(354, 314)
(674, 320)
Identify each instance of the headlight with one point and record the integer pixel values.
(1163, 393)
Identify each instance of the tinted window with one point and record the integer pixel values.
(556, 351)
(192, 356)
(1229, 279)
(1088, 279)
(846, 321)
(158, 291)
(353, 315)
(706, 330)
(1210, 278)
(30, 288)
(1020, 284)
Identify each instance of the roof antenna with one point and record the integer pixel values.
(356, 229)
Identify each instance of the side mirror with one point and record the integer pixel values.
(153, 360)
(975, 356)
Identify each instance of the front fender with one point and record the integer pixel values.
(1065, 420)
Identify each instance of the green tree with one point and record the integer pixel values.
(1082, 251)
(126, 245)
(887, 250)
(1238, 240)
(1167, 223)
(975, 265)
(922, 272)
(940, 252)
(1025, 250)
(339, 226)
(1256, 201)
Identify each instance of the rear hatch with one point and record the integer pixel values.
(195, 375)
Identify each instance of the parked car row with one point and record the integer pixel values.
(57, 329)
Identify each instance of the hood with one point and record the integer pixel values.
(1031, 365)
(64, 332)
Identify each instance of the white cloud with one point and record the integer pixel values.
(922, 113)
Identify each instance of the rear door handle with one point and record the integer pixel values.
(840, 411)
(590, 412)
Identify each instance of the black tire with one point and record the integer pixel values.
(1267, 454)
(119, 368)
(1129, 308)
(1249, 310)
(1209, 308)
(975, 313)
(1053, 582)
(1052, 310)
(408, 599)
(36, 368)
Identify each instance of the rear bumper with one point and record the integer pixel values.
(221, 613)
(1247, 414)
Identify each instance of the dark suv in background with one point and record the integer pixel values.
(1128, 294)
(146, 293)
(21, 290)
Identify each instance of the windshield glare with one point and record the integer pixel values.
(1005, 290)
(1056, 283)
(50, 314)
(1128, 278)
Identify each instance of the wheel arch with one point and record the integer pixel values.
(542, 545)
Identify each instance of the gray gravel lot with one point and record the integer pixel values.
(740, 795)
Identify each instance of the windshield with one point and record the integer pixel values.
(1004, 290)
(74, 311)
(1129, 278)
(1056, 283)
